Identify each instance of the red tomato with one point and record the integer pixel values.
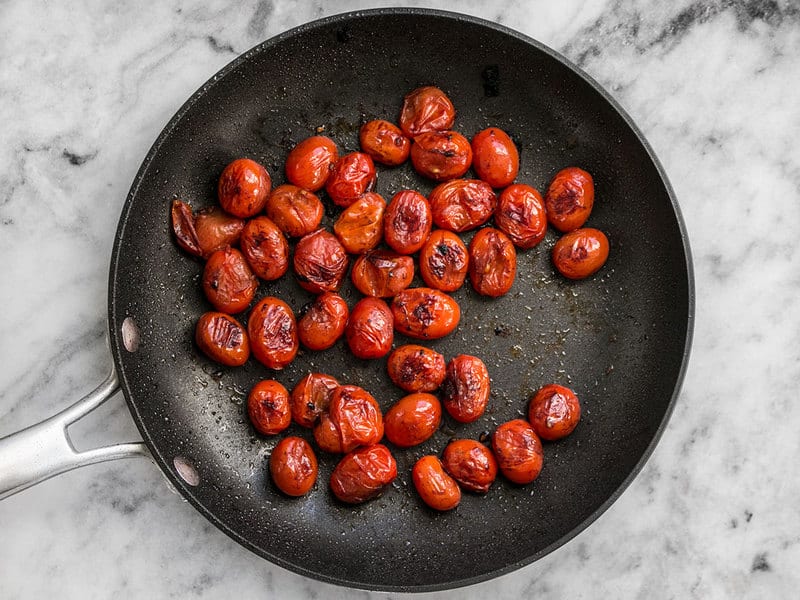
(222, 338)
(204, 233)
(554, 412)
(413, 419)
(416, 368)
(436, 488)
(363, 474)
(311, 397)
(327, 435)
(370, 328)
(425, 313)
(294, 210)
(310, 162)
(443, 261)
(356, 416)
(324, 322)
(569, 199)
(462, 204)
(580, 253)
(471, 464)
(441, 155)
(495, 157)
(320, 262)
(265, 248)
(466, 387)
(384, 142)
(492, 262)
(407, 222)
(243, 188)
(382, 273)
(521, 216)
(518, 451)
(360, 226)
(293, 466)
(426, 109)
(351, 177)
(268, 407)
(273, 333)
(228, 281)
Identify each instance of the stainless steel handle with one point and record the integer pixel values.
(45, 449)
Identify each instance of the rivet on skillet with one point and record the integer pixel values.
(186, 471)
(130, 335)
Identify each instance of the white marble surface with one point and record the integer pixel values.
(85, 88)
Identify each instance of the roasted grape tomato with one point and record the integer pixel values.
(436, 488)
(222, 339)
(294, 210)
(228, 281)
(320, 262)
(569, 199)
(268, 407)
(351, 177)
(425, 313)
(356, 416)
(441, 155)
(311, 397)
(580, 253)
(520, 214)
(265, 248)
(384, 142)
(382, 273)
(492, 262)
(462, 204)
(412, 419)
(407, 222)
(518, 451)
(495, 157)
(324, 321)
(360, 225)
(465, 389)
(471, 464)
(293, 466)
(426, 109)
(363, 474)
(443, 261)
(416, 368)
(370, 328)
(554, 412)
(243, 188)
(272, 330)
(309, 163)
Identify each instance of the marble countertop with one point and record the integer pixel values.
(84, 90)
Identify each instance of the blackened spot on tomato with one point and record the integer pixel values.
(491, 81)
(423, 311)
(567, 202)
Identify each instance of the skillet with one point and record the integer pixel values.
(620, 339)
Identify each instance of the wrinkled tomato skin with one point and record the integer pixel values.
(265, 248)
(436, 488)
(294, 210)
(407, 222)
(495, 158)
(268, 407)
(465, 389)
(384, 142)
(554, 412)
(370, 329)
(311, 397)
(273, 333)
(360, 225)
(520, 214)
(351, 177)
(413, 419)
(443, 261)
(415, 368)
(426, 109)
(382, 273)
(293, 466)
(462, 204)
(228, 281)
(204, 233)
(580, 253)
(243, 188)
(518, 451)
(324, 322)
(471, 464)
(320, 262)
(327, 435)
(425, 313)
(492, 262)
(363, 474)
(356, 416)
(569, 199)
(309, 162)
(441, 155)
(222, 339)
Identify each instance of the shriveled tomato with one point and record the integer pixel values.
(265, 248)
(356, 416)
(407, 222)
(243, 188)
(554, 412)
(311, 397)
(462, 204)
(382, 273)
(327, 435)
(492, 262)
(352, 175)
(228, 281)
(441, 155)
(363, 474)
(426, 109)
(370, 328)
(222, 338)
(416, 368)
(413, 419)
(520, 214)
(320, 262)
(471, 464)
(293, 466)
(425, 313)
(569, 199)
(465, 389)
(273, 333)
(580, 253)
(384, 142)
(443, 261)
(309, 162)
(518, 451)
(324, 321)
(204, 233)
(268, 407)
(360, 226)
(294, 210)
(436, 488)
(495, 157)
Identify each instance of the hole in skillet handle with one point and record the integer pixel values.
(130, 334)
(186, 471)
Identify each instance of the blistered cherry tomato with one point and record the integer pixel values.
(222, 338)
(351, 177)
(228, 281)
(382, 273)
(363, 474)
(320, 262)
(462, 204)
(309, 162)
(204, 233)
(436, 488)
(268, 407)
(554, 412)
(294, 210)
(324, 321)
(293, 466)
(407, 222)
(327, 435)
(370, 328)
(426, 109)
(360, 226)
(569, 199)
(413, 419)
(384, 142)
(465, 389)
(265, 248)
(443, 261)
(425, 313)
(416, 368)
(471, 464)
(495, 157)
(518, 451)
(243, 188)
(580, 253)
(441, 155)
(311, 397)
(273, 333)
(356, 416)
(492, 262)
(521, 216)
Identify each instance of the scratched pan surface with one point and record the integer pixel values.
(619, 339)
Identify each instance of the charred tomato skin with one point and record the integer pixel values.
(265, 248)
(360, 226)
(436, 488)
(268, 407)
(492, 262)
(309, 163)
(466, 387)
(580, 253)
(520, 214)
(324, 322)
(444, 261)
(370, 328)
(203, 233)
(382, 273)
(425, 313)
(415, 368)
(495, 157)
(384, 142)
(471, 464)
(554, 412)
(407, 222)
(243, 188)
(441, 155)
(518, 451)
(228, 281)
(293, 466)
(462, 204)
(320, 262)
(352, 175)
(222, 338)
(272, 330)
(356, 416)
(310, 397)
(412, 419)
(569, 199)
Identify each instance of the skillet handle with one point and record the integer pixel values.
(45, 449)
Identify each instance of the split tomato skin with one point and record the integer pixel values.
(359, 227)
(311, 397)
(205, 232)
(309, 163)
(222, 338)
(243, 188)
